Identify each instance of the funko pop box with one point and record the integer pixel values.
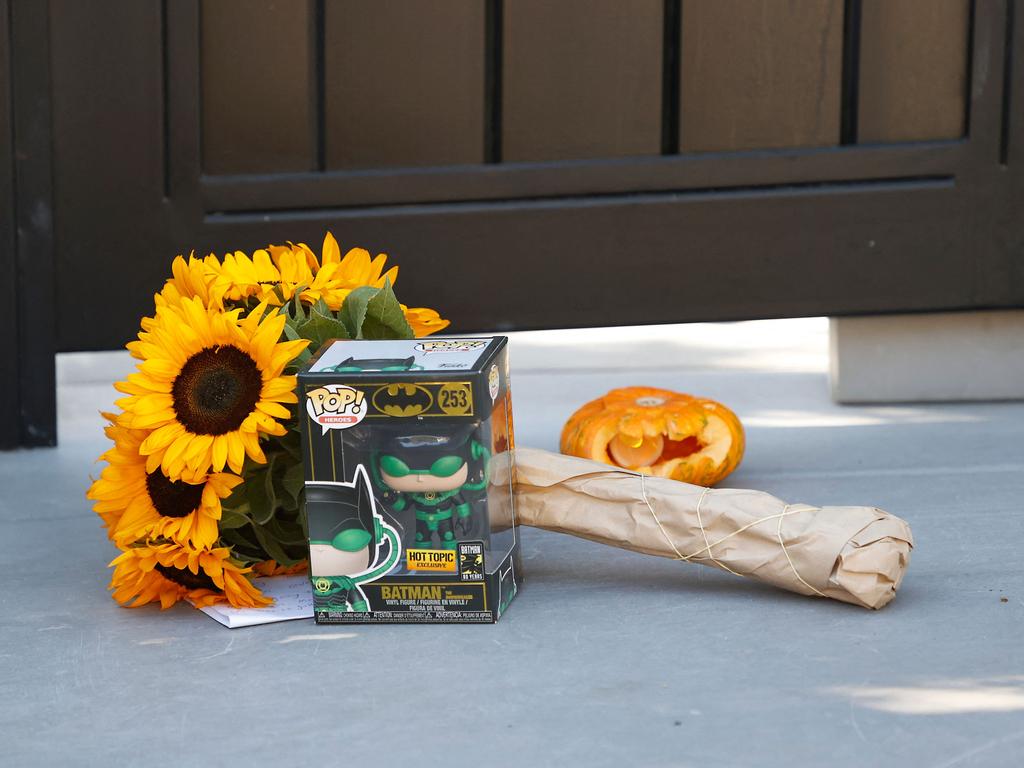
(406, 522)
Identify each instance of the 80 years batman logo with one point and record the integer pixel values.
(402, 399)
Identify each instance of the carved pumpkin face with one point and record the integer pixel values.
(657, 432)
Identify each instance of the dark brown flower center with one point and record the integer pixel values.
(173, 498)
(216, 389)
(186, 578)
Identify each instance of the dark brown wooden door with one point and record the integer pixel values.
(535, 164)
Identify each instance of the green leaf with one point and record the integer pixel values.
(290, 442)
(293, 481)
(244, 544)
(289, 535)
(353, 310)
(296, 318)
(384, 317)
(282, 499)
(294, 311)
(321, 326)
(237, 497)
(273, 548)
(259, 502)
(374, 313)
(268, 487)
(232, 518)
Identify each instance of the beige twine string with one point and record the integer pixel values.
(785, 551)
(708, 545)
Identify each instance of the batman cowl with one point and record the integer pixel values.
(343, 534)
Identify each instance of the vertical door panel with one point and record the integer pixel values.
(404, 82)
(581, 78)
(10, 416)
(258, 94)
(108, 180)
(758, 74)
(913, 70)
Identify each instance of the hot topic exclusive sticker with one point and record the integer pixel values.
(335, 406)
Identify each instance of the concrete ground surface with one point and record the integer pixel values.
(606, 658)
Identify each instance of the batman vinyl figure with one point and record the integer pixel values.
(349, 543)
(430, 472)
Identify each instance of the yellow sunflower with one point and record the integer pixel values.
(239, 277)
(273, 280)
(277, 272)
(149, 505)
(169, 572)
(354, 270)
(336, 277)
(322, 283)
(271, 568)
(116, 486)
(424, 321)
(188, 279)
(209, 384)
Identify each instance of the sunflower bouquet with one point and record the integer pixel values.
(203, 485)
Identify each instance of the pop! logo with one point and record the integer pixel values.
(335, 406)
(451, 345)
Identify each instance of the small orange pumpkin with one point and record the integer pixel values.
(657, 432)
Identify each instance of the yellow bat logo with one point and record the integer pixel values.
(402, 399)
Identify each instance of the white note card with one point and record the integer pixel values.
(293, 599)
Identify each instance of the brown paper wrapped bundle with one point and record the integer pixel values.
(854, 554)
